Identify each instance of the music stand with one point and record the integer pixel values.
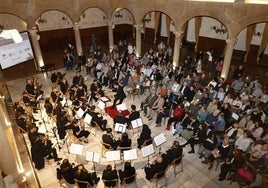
(113, 156)
(121, 107)
(130, 154)
(88, 119)
(94, 157)
(76, 149)
(121, 128)
(136, 123)
(147, 151)
(159, 140)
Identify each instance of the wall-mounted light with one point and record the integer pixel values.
(118, 15)
(219, 30)
(41, 20)
(258, 34)
(147, 18)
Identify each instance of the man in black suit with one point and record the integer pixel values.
(159, 165)
(133, 114)
(174, 152)
(108, 139)
(109, 174)
(120, 94)
(97, 118)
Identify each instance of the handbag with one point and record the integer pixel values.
(245, 174)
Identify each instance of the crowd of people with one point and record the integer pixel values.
(224, 117)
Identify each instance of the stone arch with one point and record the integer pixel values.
(116, 10)
(17, 22)
(15, 12)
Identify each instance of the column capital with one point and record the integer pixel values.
(138, 26)
(33, 30)
(110, 23)
(76, 26)
(178, 33)
(231, 41)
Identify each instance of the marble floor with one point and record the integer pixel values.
(194, 175)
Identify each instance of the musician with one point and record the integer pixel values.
(109, 174)
(81, 93)
(67, 171)
(28, 101)
(120, 94)
(48, 107)
(125, 142)
(63, 124)
(77, 79)
(174, 152)
(120, 118)
(56, 95)
(127, 172)
(64, 86)
(97, 118)
(159, 165)
(108, 138)
(145, 135)
(33, 89)
(78, 132)
(134, 114)
(82, 174)
(94, 89)
(41, 147)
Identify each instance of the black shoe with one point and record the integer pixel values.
(192, 151)
(221, 179)
(57, 159)
(97, 181)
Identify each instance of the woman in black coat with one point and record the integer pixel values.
(145, 135)
(108, 175)
(67, 171)
(128, 172)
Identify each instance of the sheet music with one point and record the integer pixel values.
(130, 154)
(147, 150)
(88, 118)
(80, 113)
(104, 99)
(76, 149)
(120, 128)
(93, 156)
(63, 102)
(121, 107)
(101, 105)
(160, 139)
(113, 155)
(235, 116)
(136, 123)
(39, 97)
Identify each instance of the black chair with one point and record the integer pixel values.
(158, 177)
(129, 180)
(110, 183)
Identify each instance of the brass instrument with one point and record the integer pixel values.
(36, 85)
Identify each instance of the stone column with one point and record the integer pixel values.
(227, 57)
(111, 35)
(177, 44)
(77, 38)
(138, 40)
(36, 47)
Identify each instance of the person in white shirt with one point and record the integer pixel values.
(244, 141)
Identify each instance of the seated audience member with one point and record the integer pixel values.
(244, 141)
(198, 137)
(109, 174)
(205, 100)
(67, 171)
(145, 135)
(149, 101)
(208, 145)
(41, 147)
(97, 118)
(221, 152)
(213, 105)
(158, 104)
(78, 132)
(233, 132)
(257, 130)
(82, 174)
(125, 142)
(177, 115)
(108, 138)
(159, 165)
(202, 113)
(219, 125)
(257, 153)
(233, 162)
(174, 152)
(127, 172)
(163, 112)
